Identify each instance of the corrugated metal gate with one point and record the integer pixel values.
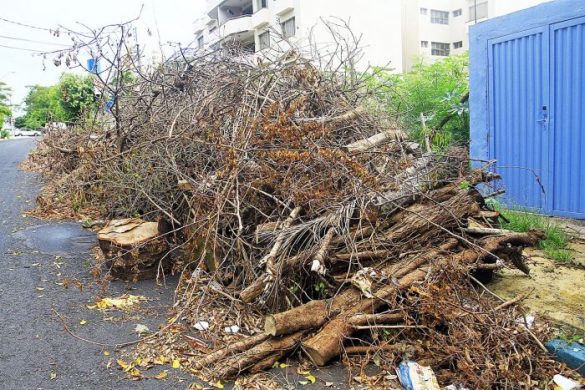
(536, 116)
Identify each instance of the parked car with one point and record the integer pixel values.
(26, 133)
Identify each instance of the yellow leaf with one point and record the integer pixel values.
(304, 383)
(135, 372)
(282, 365)
(91, 306)
(311, 378)
(122, 302)
(161, 375)
(40, 288)
(218, 385)
(123, 364)
(303, 372)
(53, 375)
(106, 353)
(82, 322)
(138, 361)
(176, 363)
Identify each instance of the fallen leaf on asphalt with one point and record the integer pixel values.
(122, 302)
(53, 375)
(124, 365)
(160, 359)
(106, 353)
(218, 385)
(135, 372)
(40, 288)
(176, 363)
(311, 378)
(82, 322)
(161, 375)
(140, 329)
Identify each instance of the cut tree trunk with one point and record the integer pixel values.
(134, 249)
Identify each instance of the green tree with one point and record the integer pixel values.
(20, 122)
(66, 101)
(42, 105)
(436, 91)
(4, 103)
(76, 96)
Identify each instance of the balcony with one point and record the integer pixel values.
(236, 25)
(261, 18)
(281, 7)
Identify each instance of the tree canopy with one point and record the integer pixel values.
(4, 102)
(68, 101)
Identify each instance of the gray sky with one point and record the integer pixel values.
(19, 68)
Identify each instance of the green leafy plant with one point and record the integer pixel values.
(555, 243)
(437, 91)
(68, 102)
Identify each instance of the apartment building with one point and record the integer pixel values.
(394, 33)
(435, 29)
(257, 24)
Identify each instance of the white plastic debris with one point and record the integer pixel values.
(565, 383)
(140, 329)
(232, 329)
(201, 325)
(413, 376)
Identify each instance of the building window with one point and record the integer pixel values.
(479, 11)
(457, 12)
(424, 44)
(264, 40)
(262, 4)
(439, 17)
(288, 28)
(200, 42)
(423, 11)
(457, 45)
(440, 49)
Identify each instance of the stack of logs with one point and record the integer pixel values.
(449, 228)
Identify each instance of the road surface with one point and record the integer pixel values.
(35, 350)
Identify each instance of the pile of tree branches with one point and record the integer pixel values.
(301, 219)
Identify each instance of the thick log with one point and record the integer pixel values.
(243, 345)
(376, 140)
(316, 313)
(244, 361)
(328, 342)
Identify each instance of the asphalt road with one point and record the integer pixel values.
(35, 350)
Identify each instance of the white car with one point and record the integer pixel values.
(26, 133)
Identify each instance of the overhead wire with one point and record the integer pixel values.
(22, 48)
(24, 24)
(33, 41)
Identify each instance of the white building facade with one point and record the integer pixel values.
(434, 29)
(392, 33)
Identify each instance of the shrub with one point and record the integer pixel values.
(434, 90)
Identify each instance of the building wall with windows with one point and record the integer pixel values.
(393, 33)
(258, 23)
(435, 29)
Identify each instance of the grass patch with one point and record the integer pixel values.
(555, 244)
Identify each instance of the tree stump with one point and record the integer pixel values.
(134, 249)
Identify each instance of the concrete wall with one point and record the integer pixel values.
(377, 25)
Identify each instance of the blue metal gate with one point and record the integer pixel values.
(537, 117)
(519, 89)
(568, 117)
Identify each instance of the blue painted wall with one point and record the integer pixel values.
(553, 146)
